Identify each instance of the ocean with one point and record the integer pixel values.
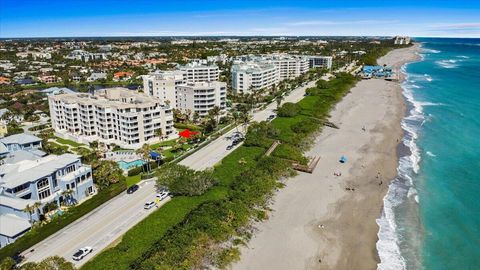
(431, 215)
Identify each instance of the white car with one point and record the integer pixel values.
(81, 253)
(148, 205)
(162, 195)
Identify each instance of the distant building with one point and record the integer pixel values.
(318, 61)
(25, 81)
(196, 72)
(86, 56)
(4, 80)
(12, 117)
(401, 40)
(49, 79)
(253, 76)
(122, 76)
(251, 72)
(113, 115)
(97, 76)
(201, 97)
(288, 66)
(162, 85)
(56, 91)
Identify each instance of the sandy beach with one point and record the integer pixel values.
(322, 221)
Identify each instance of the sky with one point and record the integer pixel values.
(87, 18)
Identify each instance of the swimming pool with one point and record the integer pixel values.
(132, 164)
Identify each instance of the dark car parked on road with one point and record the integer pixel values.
(132, 189)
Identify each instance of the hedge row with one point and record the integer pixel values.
(38, 234)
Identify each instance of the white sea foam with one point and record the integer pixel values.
(388, 237)
(450, 63)
(430, 50)
(430, 154)
(463, 57)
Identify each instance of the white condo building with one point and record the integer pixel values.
(288, 66)
(318, 61)
(162, 85)
(201, 97)
(114, 115)
(198, 72)
(257, 71)
(253, 76)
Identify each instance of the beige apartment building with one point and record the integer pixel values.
(113, 116)
(162, 85)
(198, 72)
(201, 97)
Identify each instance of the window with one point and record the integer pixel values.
(42, 183)
(44, 194)
(21, 187)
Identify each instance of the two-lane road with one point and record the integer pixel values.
(215, 151)
(110, 221)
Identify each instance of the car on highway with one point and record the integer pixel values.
(132, 189)
(149, 205)
(81, 253)
(162, 195)
(271, 117)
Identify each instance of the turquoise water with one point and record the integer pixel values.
(431, 217)
(132, 164)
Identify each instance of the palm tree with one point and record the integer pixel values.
(245, 119)
(215, 111)
(144, 152)
(159, 133)
(36, 206)
(279, 100)
(29, 209)
(68, 194)
(236, 117)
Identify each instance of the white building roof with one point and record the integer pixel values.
(22, 155)
(3, 149)
(11, 225)
(31, 170)
(15, 203)
(21, 138)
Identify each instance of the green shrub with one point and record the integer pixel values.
(36, 235)
(184, 181)
(288, 110)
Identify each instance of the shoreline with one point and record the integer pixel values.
(321, 221)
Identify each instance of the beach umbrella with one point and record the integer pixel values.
(343, 159)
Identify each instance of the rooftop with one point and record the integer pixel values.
(110, 97)
(11, 225)
(21, 138)
(24, 171)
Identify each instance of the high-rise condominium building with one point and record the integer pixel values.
(318, 61)
(197, 72)
(258, 70)
(253, 76)
(201, 97)
(162, 85)
(114, 115)
(288, 66)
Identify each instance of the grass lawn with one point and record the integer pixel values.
(142, 236)
(132, 180)
(69, 142)
(164, 143)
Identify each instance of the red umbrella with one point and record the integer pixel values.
(187, 133)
